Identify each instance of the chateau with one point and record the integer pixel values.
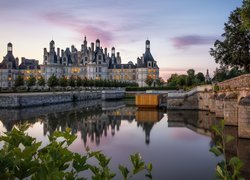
(92, 62)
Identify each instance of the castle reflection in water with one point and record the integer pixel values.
(95, 119)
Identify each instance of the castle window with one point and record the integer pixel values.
(86, 58)
(100, 69)
(99, 57)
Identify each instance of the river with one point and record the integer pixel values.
(176, 142)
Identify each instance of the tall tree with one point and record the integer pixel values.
(199, 78)
(78, 81)
(31, 81)
(245, 13)
(41, 81)
(72, 81)
(233, 50)
(190, 77)
(149, 81)
(52, 81)
(160, 81)
(63, 81)
(19, 81)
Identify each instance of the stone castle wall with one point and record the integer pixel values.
(231, 103)
(38, 99)
(242, 81)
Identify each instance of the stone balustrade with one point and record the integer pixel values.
(242, 81)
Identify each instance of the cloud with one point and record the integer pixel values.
(182, 42)
(81, 27)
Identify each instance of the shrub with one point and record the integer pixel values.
(22, 157)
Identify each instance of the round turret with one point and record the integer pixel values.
(9, 47)
(113, 50)
(97, 43)
(147, 45)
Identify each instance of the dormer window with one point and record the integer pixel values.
(99, 57)
(149, 64)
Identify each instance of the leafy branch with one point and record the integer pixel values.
(22, 157)
(226, 170)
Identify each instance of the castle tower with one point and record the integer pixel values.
(9, 48)
(207, 77)
(52, 46)
(147, 45)
(97, 44)
(85, 43)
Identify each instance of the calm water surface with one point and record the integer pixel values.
(176, 142)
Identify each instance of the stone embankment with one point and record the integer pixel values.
(18, 100)
(231, 102)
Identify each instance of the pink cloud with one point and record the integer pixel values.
(190, 40)
(81, 27)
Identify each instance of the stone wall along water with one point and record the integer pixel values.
(244, 118)
(18, 100)
(242, 81)
(231, 109)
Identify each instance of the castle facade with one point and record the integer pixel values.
(92, 62)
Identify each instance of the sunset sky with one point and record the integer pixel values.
(181, 31)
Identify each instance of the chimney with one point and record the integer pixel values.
(58, 51)
(105, 51)
(92, 46)
(22, 59)
(62, 52)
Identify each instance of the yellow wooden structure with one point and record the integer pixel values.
(148, 100)
(148, 115)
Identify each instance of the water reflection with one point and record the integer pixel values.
(198, 121)
(146, 118)
(179, 137)
(93, 119)
(239, 147)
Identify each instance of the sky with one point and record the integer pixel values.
(181, 31)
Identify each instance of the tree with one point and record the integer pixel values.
(31, 81)
(52, 81)
(63, 81)
(181, 80)
(199, 78)
(245, 13)
(190, 77)
(149, 81)
(19, 81)
(72, 81)
(160, 81)
(41, 81)
(78, 81)
(233, 50)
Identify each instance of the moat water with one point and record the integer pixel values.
(176, 142)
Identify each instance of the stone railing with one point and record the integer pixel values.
(191, 92)
(118, 93)
(242, 81)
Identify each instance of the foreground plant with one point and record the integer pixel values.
(226, 170)
(22, 157)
